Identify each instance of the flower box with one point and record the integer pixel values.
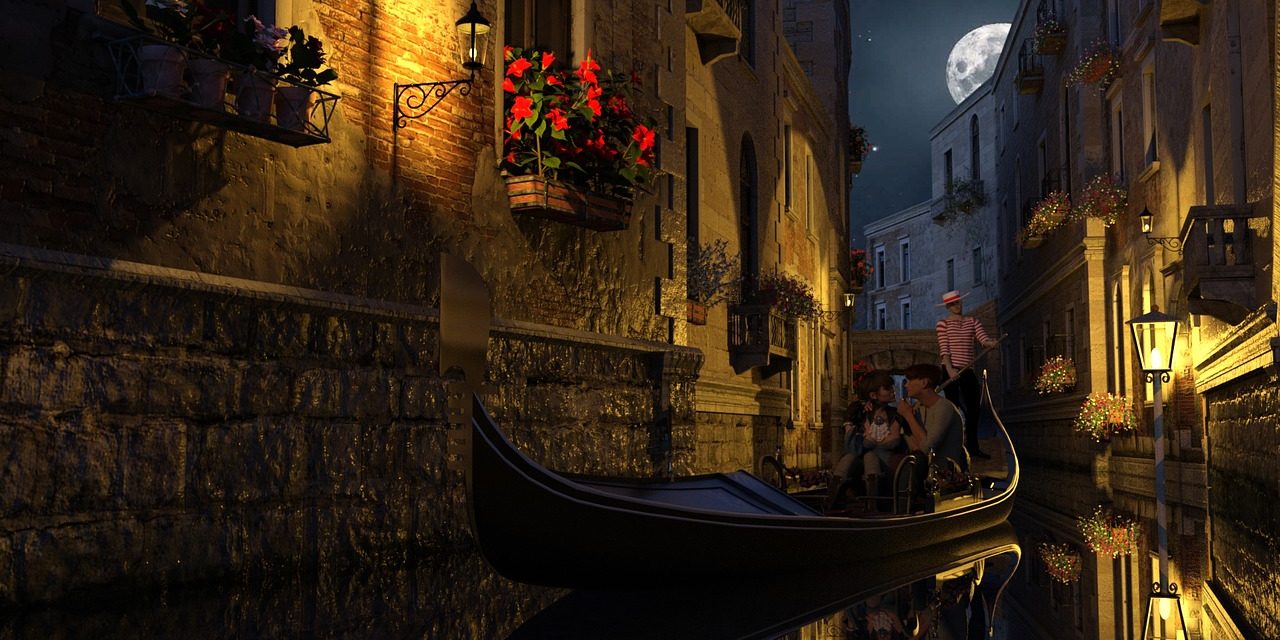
(537, 196)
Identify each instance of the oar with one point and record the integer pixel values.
(981, 354)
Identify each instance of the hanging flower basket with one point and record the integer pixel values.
(1102, 198)
(1049, 214)
(858, 372)
(538, 196)
(1110, 534)
(860, 269)
(1058, 374)
(1061, 562)
(1104, 415)
(790, 295)
(1099, 66)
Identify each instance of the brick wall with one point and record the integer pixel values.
(161, 426)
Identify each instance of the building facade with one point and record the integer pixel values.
(1171, 106)
(187, 290)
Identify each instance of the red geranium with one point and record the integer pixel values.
(559, 126)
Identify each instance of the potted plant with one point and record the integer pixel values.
(1099, 66)
(302, 68)
(1103, 415)
(575, 150)
(860, 269)
(1102, 198)
(257, 48)
(1057, 374)
(714, 275)
(1049, 214)
(189, 25)
(859, 147)
(1061, 562)
(1110, 534)
(790, 296)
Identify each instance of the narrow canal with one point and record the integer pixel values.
(1036, 577)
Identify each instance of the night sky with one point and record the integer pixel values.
(898, 92)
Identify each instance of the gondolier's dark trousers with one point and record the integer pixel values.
(966, 394)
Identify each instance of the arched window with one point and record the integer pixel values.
(975, 155)
(748, 218)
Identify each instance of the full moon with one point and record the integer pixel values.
(974, 58)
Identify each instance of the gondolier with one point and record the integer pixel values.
(956, 336)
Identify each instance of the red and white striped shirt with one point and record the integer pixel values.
(956, 339)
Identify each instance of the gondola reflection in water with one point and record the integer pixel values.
(951, 590)
(537, 526)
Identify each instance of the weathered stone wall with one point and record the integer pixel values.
(160, 426)
(1244, 434)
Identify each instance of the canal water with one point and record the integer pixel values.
(1032, 578)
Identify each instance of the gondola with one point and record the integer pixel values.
(538, 526)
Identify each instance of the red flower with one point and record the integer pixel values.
(507, 53)
(553, 81)
(521, 108)
(594, 92)
(644, 136)
(586, 70)
(518, 67)
(619, 106)
(508, 85)
(594, 105)
(548, 58)
(558, 121)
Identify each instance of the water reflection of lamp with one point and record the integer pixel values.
(1154, 337)
(411, 100)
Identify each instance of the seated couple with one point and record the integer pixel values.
(878, 434)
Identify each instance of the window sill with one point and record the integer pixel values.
(1151, 170)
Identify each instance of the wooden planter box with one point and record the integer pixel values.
(1052, 44)
(538, 196)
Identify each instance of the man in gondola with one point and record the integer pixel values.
(956, 336)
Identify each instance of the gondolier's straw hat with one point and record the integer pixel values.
(951, 296)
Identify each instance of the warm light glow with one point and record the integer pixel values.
(1157, 362)
(1165, 608)
(1182, 635)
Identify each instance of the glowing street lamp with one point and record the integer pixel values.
(1155, 335)
(412, 101)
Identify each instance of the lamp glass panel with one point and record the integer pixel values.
(473, 45)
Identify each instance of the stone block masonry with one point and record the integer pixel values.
(160, 426)
(1244, 433)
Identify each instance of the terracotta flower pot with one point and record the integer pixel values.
(697, 313)
(209, 82)
(253, 96)
(160, 67)
(293, 107)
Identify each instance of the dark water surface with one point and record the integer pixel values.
(993, 579)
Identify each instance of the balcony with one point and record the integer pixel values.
(759, 336)
(1180, 20)
(1030, 78)
(717, 25)
(295, 124)
(962, 198)
(1050, 36)
(1218, 259)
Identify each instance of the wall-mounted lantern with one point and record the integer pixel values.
(413, 101)
(848, 300)
(1146, 219)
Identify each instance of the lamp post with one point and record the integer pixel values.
(1154, 336)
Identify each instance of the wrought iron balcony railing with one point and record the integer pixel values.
(1218, 261)
(760, 336)
(1030, 78)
